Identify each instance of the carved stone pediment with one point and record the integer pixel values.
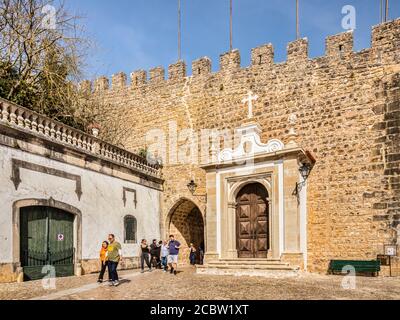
(250, 145)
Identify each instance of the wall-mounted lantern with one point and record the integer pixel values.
(305, 171)
(192, 186)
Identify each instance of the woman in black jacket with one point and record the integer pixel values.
(155, 250)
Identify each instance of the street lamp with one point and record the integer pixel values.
(192, 186)
(305, 171)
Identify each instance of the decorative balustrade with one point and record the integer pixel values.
(28, 120)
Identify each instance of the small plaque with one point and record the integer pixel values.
(60, 237)
(391, 250)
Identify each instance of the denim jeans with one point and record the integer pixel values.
(192, 259)
(164, 262)
(112, 269)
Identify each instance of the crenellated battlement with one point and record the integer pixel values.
(101, 84)
(201, 67)
(138, 78)
(263, 55)
(230, 61)
(385, 44)
(339, 45)
(177, 71)
(157, 75)
(297, 51)
(118, 81)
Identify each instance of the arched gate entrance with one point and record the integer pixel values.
(186, 223)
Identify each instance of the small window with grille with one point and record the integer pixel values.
(130, 225)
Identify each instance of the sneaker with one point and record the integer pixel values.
(100, 281)
(150, 270)
(175, 273)
(111, 283)
(172, 270)
(142, 271)
(164, 270)
(116, 283)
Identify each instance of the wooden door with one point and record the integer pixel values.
(252, 215)
(46, 236)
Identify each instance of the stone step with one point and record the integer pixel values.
(247, 259)
(255, 271)
(247, 262)
(247, 267)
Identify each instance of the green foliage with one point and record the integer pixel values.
(41, 66)
(38, 64)
(143, 152)
(23, 95)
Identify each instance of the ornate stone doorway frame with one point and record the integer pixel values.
(276, 167)
(230, 184)
(46, 203)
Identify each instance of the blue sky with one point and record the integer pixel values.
(141, 34)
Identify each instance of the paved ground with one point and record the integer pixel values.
(189, 286)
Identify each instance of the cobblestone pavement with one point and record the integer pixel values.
(188, 285)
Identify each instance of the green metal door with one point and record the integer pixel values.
(61, 242)
(46, 240)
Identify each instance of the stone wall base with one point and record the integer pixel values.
(9, 273)
(385, 270)
(211, 256)
(294, 259)
(93, 265)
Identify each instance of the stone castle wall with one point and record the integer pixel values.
(347, 104)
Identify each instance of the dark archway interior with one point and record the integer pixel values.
(188, 227)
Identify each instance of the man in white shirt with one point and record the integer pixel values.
(164, 255)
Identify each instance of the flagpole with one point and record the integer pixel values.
(179, 31)
(297, 20)
(230, 27)
(387, 11)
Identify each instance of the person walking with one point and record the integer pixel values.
(201, 251)
(192, 255)
(160, 243)
(114, 257)
(155, 254)
(145, 255)
(164, 256)
(103, 261)
(173, 246)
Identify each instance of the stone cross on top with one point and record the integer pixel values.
(249, 100)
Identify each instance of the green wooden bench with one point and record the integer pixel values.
(372, 266)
